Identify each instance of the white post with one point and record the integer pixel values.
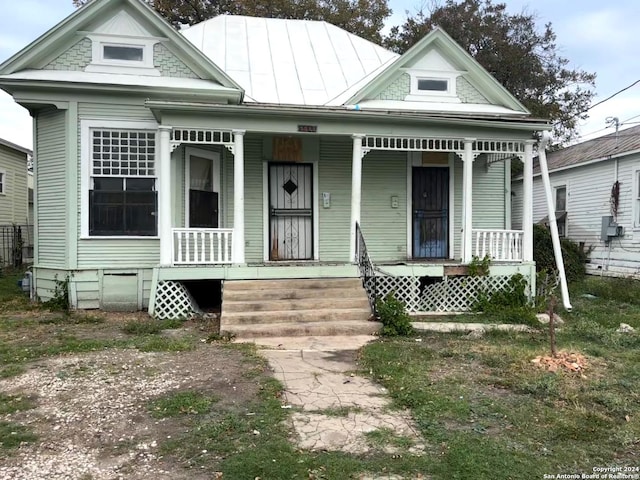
(527, 207)
(238, 197)
(555, 238)
(467, 195)
(356, 192)
(164, 196)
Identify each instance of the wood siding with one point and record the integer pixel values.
(51, 189)
(384, 175)
(14, 199)
(335, 177)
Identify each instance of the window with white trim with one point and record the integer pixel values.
(636, 199)
(561, 209)
(122, 183)
(432, 86)
(3, 181)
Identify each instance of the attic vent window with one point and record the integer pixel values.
(433, 85)
(128, 54)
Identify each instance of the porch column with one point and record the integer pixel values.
(238, 197)
(356, 191)
(527, 207)
(467, 200)
(164, 196)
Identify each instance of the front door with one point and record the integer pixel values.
(202, 195)
(430, 212)
(291, 211)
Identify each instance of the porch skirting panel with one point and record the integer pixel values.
(173, 300)
(432, 294)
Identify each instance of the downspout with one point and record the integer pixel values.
(555, 238)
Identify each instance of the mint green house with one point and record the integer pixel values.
(262, 149)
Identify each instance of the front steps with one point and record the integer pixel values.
(296, 307)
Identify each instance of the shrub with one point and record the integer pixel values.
(574, 256)
(394, 317)
(510, 304)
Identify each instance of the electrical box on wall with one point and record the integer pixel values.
(610, 229)
(326, 199)
(394, 201)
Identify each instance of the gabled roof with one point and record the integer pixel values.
(283, 61)
(64, 35)
(601, 148)
(438, 38)
(13, 146)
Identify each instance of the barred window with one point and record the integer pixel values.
(123, 152)
(122, 195)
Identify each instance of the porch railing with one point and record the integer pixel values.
(365, 266)
(499, 245)
(202, 246)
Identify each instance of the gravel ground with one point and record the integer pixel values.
(91, 417)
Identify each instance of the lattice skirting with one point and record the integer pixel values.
(451, 294)
(173, 300)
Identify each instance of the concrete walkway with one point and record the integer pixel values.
(333, 408)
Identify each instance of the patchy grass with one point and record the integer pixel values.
(181, 403)
(15, 403)
(385, 436)
(13, 435)
(149, 327)
(339, 411)
(487, 412)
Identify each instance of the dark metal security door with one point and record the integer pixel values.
(430, 212)
(291, 217)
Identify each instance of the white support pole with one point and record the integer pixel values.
(467, 195)
(527, 207)
(164, 195)
(555, 238)
(238, 197)
(356, 192)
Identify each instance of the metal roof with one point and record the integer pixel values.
(13, 146)
(282, 61)
(601, 148)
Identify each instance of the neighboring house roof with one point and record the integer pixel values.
(13, 146)
(597, 149)
(294, 62)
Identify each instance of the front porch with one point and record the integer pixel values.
(273, 219)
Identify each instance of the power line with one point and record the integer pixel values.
(601, 101)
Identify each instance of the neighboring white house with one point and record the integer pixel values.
(13, 200)
(596, 193)
(261, 150)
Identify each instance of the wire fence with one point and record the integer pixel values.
(16, 245)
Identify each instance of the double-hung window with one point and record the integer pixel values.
(3, 181)
(122, 183)
(561, 209)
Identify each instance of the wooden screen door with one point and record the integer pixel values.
(430, 212)
(291, 211)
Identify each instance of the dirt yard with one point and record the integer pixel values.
(91, 415)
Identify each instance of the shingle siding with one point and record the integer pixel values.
(169, 65)
(74, 59)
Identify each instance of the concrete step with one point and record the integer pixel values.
(294, 316)
(292, 283)
(293, 293)
(323, 302)
(303, 329)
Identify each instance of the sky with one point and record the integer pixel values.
(595, 36)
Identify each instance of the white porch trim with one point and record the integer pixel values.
(356, 192)
(164, 196)
(238, 197)
(467, 200)
(527, 207)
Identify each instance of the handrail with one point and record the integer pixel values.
(202, 246)
(500, 245)
(366, 268)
